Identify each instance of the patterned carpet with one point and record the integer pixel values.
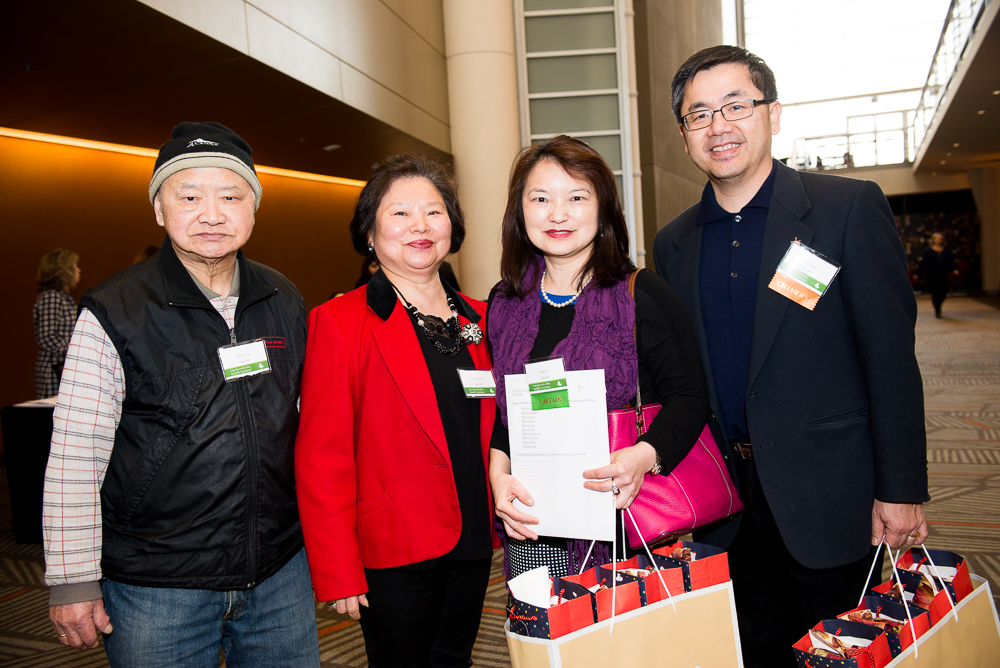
(960, 361)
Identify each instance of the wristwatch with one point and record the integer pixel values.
(657, 467)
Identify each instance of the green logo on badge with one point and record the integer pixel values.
(546, 400)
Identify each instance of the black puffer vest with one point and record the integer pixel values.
(200, 490)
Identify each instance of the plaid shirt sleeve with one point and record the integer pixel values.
(83, 432)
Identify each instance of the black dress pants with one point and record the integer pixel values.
(419, 617)
(778, 599)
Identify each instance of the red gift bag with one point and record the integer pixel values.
(710, 567)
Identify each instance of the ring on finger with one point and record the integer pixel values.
(62, 635)
(614, 488)
(914, 535)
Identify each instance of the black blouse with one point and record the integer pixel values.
(460, 419)
(670, 370)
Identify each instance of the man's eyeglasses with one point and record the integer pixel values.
(734, 111)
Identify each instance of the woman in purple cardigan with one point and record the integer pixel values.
(564, 292)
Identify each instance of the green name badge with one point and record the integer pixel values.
(244, 359)
(478, 384)
(541, 401)
(547, 384)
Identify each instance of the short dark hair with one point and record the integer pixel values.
(760, 74)
(390, 170)
(609, 260)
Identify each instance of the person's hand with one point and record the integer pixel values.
(506, 488)
(902, 524)
(77, 624)
(626, 471)
(350, 605)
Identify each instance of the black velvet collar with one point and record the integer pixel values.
(382, 298)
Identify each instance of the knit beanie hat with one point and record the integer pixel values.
(204, 145)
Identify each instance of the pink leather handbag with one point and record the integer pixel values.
(696, 493)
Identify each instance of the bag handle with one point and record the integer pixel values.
(902, 595)
(640, 420)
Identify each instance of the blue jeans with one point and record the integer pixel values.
(273, 624)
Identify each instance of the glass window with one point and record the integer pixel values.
(610, 148)
(890, 121)
(548, 75)
(561, 33)
(532, 5)
(574, 114)
(890, 147)
(857, 124)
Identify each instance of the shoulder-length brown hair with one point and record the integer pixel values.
(392, 169)
(57, 270)
(609, 261)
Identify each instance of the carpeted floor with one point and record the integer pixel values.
(960, 361)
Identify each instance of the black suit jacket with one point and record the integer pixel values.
(834, 399)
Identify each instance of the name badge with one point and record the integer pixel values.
(478, 384)
(244, 359)
(804, 275)
(547, 384)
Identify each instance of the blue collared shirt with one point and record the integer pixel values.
(731, 246)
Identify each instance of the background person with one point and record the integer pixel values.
(823, 408)
(170, 518)
(369, 265)
(564, 292)
(936, 265)
(54, 315)
(391, 456)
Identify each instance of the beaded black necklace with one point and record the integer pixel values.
(434, 328)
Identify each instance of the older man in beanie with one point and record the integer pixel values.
(171, 522)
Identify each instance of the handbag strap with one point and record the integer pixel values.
(640, 420)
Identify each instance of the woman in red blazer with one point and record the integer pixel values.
(391, 457)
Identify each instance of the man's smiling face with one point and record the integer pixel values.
(729, 151)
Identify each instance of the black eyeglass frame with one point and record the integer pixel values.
(720, 110)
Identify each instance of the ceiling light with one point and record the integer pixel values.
(933, 173)
(943, 161)
(955, 145)
(981, 112)
(996, 92)
(948, 154)
(331, 148)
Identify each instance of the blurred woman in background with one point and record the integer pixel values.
(54, 315)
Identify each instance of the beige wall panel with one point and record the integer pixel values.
(485, 141)
(374, 40)
(666, 33)
(224, 20)
(426, 17)
(496, 15)
(277, 45)
(900, 180)
(985, 184)
(373, 98)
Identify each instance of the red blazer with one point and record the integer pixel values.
(373, 473)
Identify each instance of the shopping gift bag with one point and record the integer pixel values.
(916, 589)
(947, 568)
(693, 629)
(548, 608)
(892, 617)
(835, 643)
(609, 600)
(703, 565)
(966, 637)
(640, 569)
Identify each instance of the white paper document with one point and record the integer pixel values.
(550, 450)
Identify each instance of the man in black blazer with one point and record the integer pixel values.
(822, 409)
